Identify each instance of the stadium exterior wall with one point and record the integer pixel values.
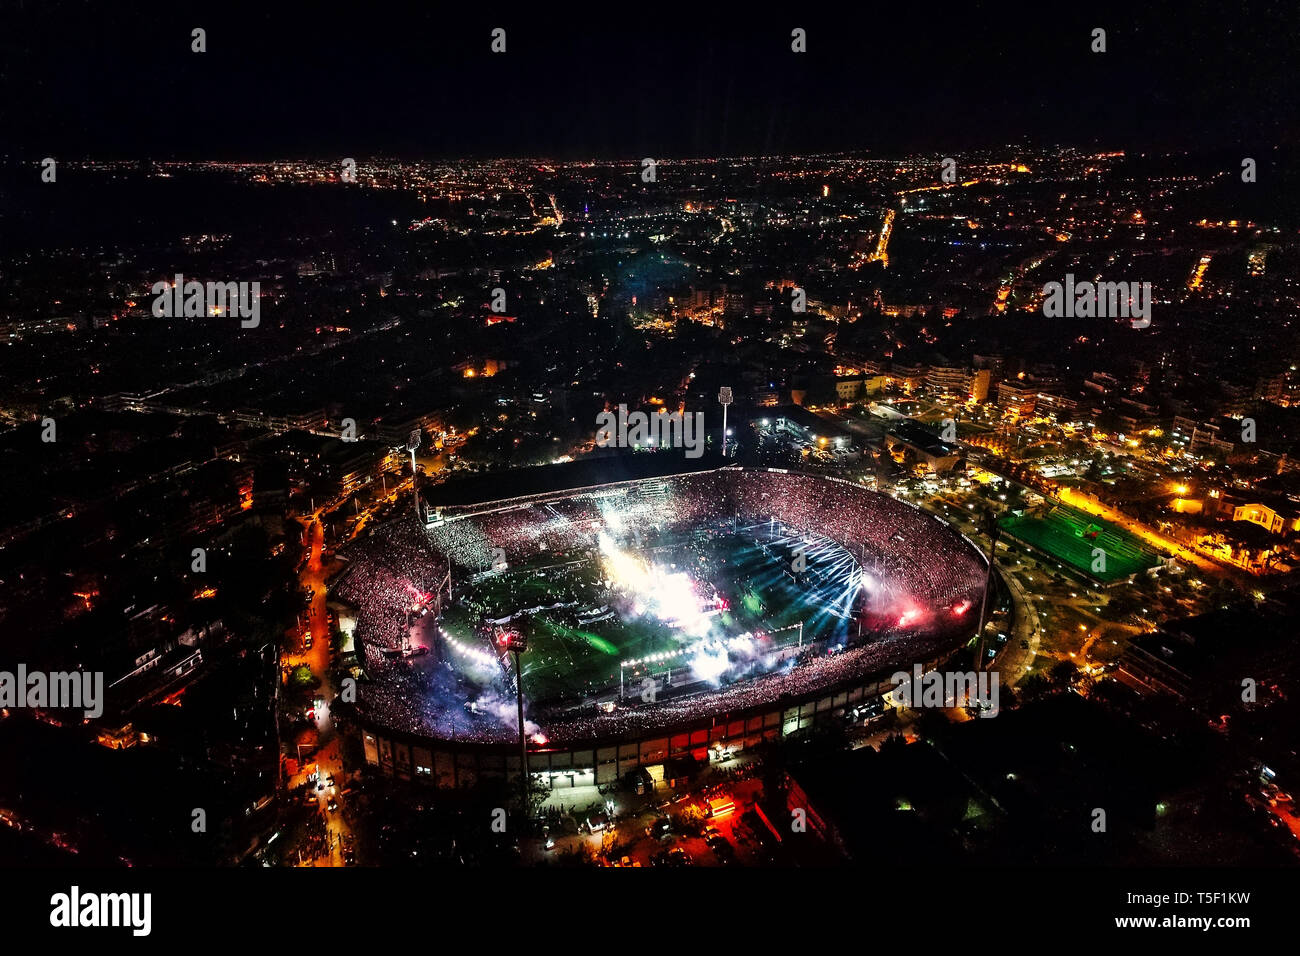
(450, 764)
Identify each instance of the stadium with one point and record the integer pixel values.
(664, 615)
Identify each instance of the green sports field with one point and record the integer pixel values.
(1068, 536)
(564, 656)
(568, 657)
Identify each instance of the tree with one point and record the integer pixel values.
(1123, 605)
(690, 821)
(1062, 674)
(893, 743)
(581, 855)
(1033, 687)
(931, 723)
(1224, 592)
(537, 794)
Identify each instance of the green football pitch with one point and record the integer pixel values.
(1071, 536)
(566, 657)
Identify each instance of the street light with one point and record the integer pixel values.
(993, 530)
(412, 443)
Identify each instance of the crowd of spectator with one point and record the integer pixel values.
(906, 551)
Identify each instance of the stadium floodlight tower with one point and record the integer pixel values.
(516, 643)
(724, 399)
(412, 443)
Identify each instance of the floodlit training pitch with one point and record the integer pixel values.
(1074, 538)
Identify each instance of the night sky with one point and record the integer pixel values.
(631, 80)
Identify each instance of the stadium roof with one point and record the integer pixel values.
(810, 420)
(918, 436)
(592, 470)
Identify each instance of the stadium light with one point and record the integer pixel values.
(516, 643)
(724, 399)
(513, 641)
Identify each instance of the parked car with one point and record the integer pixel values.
(722, 847)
